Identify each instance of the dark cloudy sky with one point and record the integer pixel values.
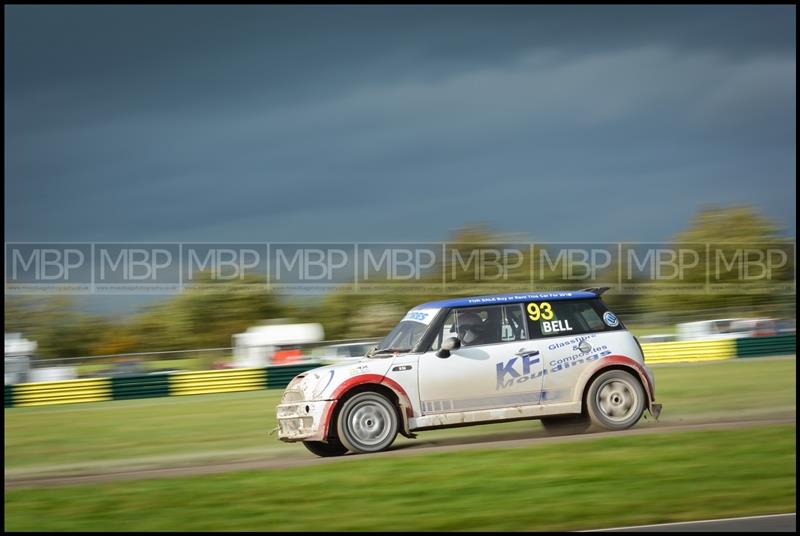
(393, 123)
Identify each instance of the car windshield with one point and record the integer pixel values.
(404, 337)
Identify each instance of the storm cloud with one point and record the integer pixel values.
(274, 123)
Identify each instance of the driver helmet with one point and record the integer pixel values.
(470, 327)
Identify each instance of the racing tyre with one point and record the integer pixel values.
(615, 400)
(368, 422)
(332, 448)
(566, 425)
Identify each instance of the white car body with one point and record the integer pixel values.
(520, 379)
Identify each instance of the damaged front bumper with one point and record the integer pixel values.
(303, 420)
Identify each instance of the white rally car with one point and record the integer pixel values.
(561, 357)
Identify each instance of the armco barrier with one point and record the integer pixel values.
(279, 377)
(761, 346)
(673, 352)
(64, 392)
(217, 381)
(8, 395)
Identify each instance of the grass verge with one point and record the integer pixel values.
(237, 424)
(588, 484)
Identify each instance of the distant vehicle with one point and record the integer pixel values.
(58, 373)
(342, 353)
(18, 355)
(19, 366)
(274, 343)
(726, 328)
(561, 357)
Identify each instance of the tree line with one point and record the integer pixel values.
(209, 318)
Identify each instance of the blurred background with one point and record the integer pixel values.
(549, 132)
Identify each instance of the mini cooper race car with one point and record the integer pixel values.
(561, 357)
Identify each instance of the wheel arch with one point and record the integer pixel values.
(371, 383)
(617, 363)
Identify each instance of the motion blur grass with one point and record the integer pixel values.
(739, 387)
(641, 330)
(182, 364)
(574, 485)
(234, 425)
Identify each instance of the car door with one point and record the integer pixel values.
(569, 335)
(497, 365)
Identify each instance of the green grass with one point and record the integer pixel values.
(573, 485)
(183, 364)
(640, 330)
(237, 425)
(738, 387)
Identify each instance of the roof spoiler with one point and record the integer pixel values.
(596, 290)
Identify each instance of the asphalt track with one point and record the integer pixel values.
(411, 448)
(767, 523)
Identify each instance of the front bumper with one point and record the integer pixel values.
(303, 420)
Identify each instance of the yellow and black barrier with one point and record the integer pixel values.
(152, 385)
(217, 381)
(678, 351)
(61, 392)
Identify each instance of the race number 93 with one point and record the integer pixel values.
(538, 311)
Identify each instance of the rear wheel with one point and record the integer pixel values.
(367, 422)
(615, 400)
(566, 424)
(333, 447)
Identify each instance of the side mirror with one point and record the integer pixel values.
(451, 343)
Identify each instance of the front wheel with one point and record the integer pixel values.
(325, 450)
(368, 422)
(615, 400)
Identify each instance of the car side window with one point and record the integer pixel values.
(560, 318)
(514, 327)
(448, 330)
(476, 326)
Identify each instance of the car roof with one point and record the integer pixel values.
(518, 297)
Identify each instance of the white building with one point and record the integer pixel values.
(17, 363)
(258, 344)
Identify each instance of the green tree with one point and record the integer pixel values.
(207, 316)
(58, 328)
(724, 238)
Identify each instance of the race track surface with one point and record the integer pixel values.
(412, 448)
